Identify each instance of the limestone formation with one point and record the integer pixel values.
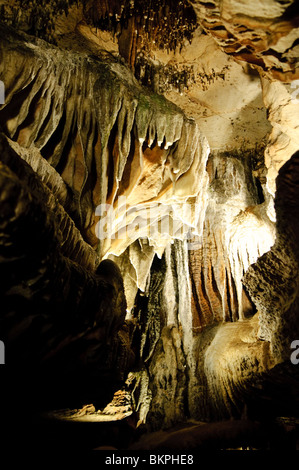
(142, 140)
(264, 34)
(278, 301)
(149, 220)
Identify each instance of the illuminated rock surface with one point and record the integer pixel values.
(149, 220)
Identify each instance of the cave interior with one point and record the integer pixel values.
(149, 224)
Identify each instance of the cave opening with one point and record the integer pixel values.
(149, 224)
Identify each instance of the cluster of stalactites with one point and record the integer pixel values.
(109, 141)
(164, 23)
(37, 17)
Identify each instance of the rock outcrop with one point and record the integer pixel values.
(110, 141)
(264, 34)
(273, 280)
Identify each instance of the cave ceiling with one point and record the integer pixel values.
(186, 111)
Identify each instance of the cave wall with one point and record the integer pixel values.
(276, 296)
(168, 108)
(261, 33)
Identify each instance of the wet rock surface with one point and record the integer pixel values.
(179, 122)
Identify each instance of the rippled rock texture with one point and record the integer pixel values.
(104, 135)
(149, 209)
(261, 33)
(99, 137)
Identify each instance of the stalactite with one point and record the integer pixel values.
(133, 251)
(165, 24)
(53, 268)
(236, 231)
(72, 244)
(36, 16)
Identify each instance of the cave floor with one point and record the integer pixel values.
(80, 430)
